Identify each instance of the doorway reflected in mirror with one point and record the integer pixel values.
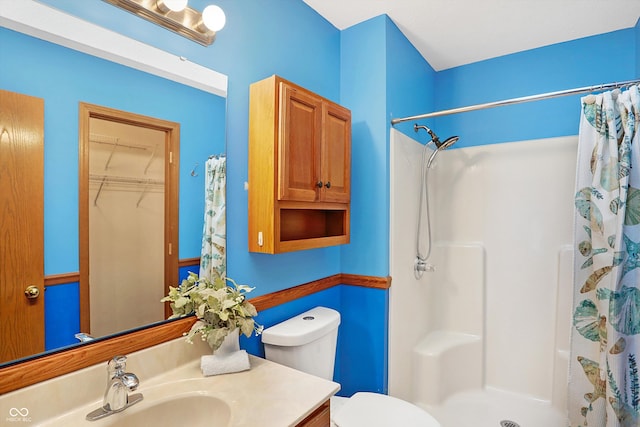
(126, 225)
(128, 218)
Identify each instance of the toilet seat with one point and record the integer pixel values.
(378, 410)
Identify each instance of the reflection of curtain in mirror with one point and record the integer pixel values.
(213, 257)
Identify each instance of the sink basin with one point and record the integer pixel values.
(194, 409)
(189, 402)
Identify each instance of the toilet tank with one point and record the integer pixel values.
(306, 342)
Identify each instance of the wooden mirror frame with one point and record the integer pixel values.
(49, 366)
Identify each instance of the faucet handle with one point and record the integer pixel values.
(117, 365)
(130, 381)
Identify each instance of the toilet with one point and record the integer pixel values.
(307, 342)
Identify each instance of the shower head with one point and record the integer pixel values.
(442, 146)
(439, 145)
(448, 142)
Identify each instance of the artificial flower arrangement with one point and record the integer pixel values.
(219, 304)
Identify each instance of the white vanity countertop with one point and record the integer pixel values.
(267, 395)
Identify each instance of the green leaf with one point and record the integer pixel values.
(181, 301)
(583, 202)
(249, 309)
(215, 337)
(632, 215)
(587, 209)
(587, 320)
(246, 326)
(615, 205)
(587, 230)
(587, 263)
(584, 248)
(609, 175)
(624, 310)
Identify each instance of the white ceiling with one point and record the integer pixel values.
(449, 33)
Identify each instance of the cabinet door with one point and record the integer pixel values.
(336, 154)
(321, 417)
(299, 145)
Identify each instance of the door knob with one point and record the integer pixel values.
(32, 292)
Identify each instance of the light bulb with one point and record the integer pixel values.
(213, 17)
(173, 5)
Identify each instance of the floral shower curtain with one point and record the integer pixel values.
(213, 258)
(604, 383)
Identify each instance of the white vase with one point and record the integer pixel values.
(230, 344)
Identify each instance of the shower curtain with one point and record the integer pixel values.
(213, 259)
(604, 383)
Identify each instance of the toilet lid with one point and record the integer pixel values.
(379, 410)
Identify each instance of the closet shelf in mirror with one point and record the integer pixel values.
(144, 185)
(124, 180)
(116, 142)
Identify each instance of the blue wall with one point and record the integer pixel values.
(376, 84)
(363, 80)
(372, 69)
(577, 63)
(61, 315)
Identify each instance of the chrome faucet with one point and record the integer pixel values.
(119, 384)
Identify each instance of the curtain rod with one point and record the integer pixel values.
(520, 100)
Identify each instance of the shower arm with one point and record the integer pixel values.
(434, 137)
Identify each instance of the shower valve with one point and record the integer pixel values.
(422, 266)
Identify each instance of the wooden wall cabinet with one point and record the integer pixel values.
(299, 168)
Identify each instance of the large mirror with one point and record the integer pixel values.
(66, 79)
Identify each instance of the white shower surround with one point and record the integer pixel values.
(485, 337)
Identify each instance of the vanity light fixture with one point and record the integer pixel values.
(176, 16)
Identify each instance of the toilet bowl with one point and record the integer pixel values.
(307, 342)
(365, 409)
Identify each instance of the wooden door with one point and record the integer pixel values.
(299, 145)
(336, 154)
(21, 225)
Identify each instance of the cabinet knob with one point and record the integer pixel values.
(328, 184)
(319, 184)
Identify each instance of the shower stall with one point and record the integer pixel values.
(482, 340)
